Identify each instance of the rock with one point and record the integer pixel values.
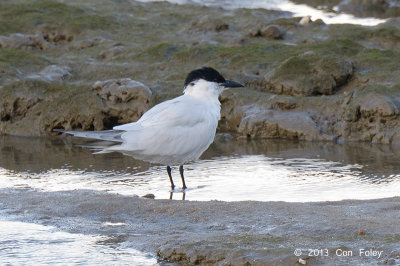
(207, 23)
(264, 123)
(305, 20)
(368, 8)
(24, 41)
(223, 137)
(53, 73)
(56, 35)
(319, 22)
(273, 32)
(25, 108)
(35, 107)
(385, 36)
(302, 261)
(173, 254)
(284, 103)
(352, 113)
(149, 196)
(42, 41)
(395, 139)
(376, 104)
(18, 108)
(370, 116)
(309, 74)
(113, 52)
(231, 113)
(124, 99)
(88, 43)
(289, 24)
(384, 137)
(121, 90)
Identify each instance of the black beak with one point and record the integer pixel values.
(231, 84)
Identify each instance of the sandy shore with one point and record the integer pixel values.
(239, 233)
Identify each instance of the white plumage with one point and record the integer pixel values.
(175, 131)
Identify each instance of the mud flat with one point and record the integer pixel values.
(239, 233)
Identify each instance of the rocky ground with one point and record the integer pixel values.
(75, 66)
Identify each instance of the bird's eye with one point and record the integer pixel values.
(191, 83)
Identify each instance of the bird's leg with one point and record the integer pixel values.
(183, 178)
(170, 177)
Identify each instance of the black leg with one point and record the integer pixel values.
(170, 177)
(183, 178)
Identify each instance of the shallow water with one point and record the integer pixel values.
(32, 244)
(263, 170)
(283, 5)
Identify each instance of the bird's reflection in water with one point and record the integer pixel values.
(171, 194)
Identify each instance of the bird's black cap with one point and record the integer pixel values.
(206, 73)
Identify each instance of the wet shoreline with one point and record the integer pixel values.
(191, 232)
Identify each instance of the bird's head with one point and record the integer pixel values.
(207, 81)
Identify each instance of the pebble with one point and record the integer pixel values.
(149, 196)
(303, 262)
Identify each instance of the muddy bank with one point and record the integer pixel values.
(251, 233)
(307, 81)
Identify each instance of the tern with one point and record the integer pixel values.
(175, 131)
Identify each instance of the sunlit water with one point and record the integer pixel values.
(228, 171)
(297, 10)
(33, 244)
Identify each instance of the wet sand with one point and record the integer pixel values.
(233, 233)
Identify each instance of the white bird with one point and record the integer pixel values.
(173, 132)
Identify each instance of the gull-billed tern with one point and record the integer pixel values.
(173, 132)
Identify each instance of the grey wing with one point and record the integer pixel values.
(173, 111)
